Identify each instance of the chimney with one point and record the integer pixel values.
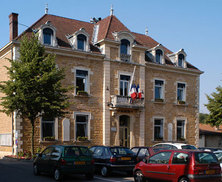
(13, 26)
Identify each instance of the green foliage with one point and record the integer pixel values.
(34, 85)
(215, 107)
(202, 118)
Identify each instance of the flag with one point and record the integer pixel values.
(139, 94)
(133, 92)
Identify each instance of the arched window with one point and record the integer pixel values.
(159, 55)
(180, 60)
(124, 50)
(47, 36)
(81, 42)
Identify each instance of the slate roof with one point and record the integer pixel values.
(108, 25)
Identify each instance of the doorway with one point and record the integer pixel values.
(124, 131)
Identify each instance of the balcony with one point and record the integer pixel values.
(118, 101)
(125, 57)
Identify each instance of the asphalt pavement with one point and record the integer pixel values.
(21, 171)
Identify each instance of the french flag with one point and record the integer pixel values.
(133, 92)
(139, 94)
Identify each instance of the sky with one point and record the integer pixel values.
(194, 25)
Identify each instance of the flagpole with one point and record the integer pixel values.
(131, 80)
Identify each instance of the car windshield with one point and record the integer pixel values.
(135, 150)
(205, 158)
(76, 151)
(121, 151)
(188, 147)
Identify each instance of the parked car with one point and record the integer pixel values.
(174, 146)
(218, 153)
(179, 166)
(144, 152)
(211, 149)
(62, 160)
(108, 159)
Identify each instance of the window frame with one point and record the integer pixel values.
(182, 60)
(160, 56)
(124, 81)
(53, 129)
(162, 95)
(84, 41)
(185, 126)
(161, 129)
(184, 92)
(87, 124)
(51, 36)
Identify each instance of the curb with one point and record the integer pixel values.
(15, 159)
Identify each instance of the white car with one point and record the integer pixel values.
(174, 146)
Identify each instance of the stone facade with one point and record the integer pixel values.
(105, 117)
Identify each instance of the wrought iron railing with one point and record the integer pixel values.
(126, 102)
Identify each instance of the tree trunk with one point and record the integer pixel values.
(32, 141)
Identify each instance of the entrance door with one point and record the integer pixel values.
(124, 131)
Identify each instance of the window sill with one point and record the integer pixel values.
(48, 141)
(82, 141)
(159, 101)
(181, 104)
(82, 95)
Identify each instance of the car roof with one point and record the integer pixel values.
(174, 144)
(184, 150)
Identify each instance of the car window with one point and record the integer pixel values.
(205, 158)
(92, 149)
(143, 152)
(84, 151)
(188, 147)
(135, 150)
(121, 151)
(160, 158)
(71, 151)
(106, 152)
(56, 152)
(98, 151)
(47, 151)
(180, 158)
(219, 156)
(158, 145)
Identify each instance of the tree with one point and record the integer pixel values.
(203, 117)
(34, 87)
(215, 107)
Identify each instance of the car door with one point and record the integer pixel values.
(178, 165)
(43, 161)
(143, 153)
(157, 167)
(97, 155)
(54, 158)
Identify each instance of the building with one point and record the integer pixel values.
(210, 136)
(101, 58)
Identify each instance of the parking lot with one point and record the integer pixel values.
(21, 171)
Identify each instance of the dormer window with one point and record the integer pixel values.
(47, 36)
(159, 56)
(124, 50)
(81, 42)
(181, 60)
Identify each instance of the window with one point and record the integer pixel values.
(143, 152)
(159, 89)
(159, 56)
(181, 91)
(181, 60)
(81, 125)
(180, 158)
(81, 42)
(158, 129)
(81, 80)
(124, 50)
(124, 85)
(47, 36)
(48, 127)
(160, 158)
(180, 129)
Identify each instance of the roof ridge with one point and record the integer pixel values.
(111, 17)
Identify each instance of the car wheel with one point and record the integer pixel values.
(138, 177)
(105, 171)
(184, 179)
(57, 175)
(89, 175)
(36, 170)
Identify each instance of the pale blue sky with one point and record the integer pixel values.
(195, 25)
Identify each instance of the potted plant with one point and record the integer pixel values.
(158, 100)
(181, 102)
(82, 138)
(82, 93)
(49, 138)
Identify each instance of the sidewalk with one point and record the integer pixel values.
(2, 154)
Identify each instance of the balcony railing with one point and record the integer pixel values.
(125, 57)
(119, 101)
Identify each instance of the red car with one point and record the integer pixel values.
(179, 166)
